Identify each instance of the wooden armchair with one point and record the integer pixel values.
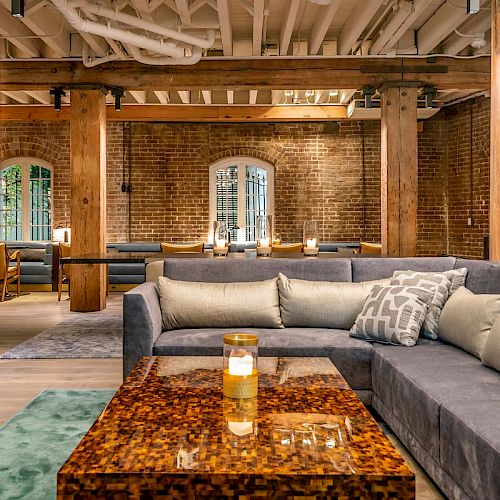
(9, 274)
(181, 247)
(288, 247)
(64, 269)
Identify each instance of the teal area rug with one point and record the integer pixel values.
(37, 441)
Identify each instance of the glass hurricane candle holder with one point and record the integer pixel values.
(264, 235)
(240, 376)
(221, 239)
(240, 416)
(311, 238)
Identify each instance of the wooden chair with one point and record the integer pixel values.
(374, 248)
(9, 274)
(64, 269)
(181, 247)
(288, 248)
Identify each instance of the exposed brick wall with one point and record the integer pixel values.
(324, 172)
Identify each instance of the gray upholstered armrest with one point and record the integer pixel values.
(141, 324)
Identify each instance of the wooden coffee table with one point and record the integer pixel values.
(169, 433)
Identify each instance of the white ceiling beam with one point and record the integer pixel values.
(42, 96)
(287, 26)
(226, 30)
(387, 33)
(356, 23)
(258, 26)
(207, 96)
(322, 23)
(96, 43)
(345, 95)
(252, 96)
(248, 6)
(162, 96)
(185, 96)
(196, 5)
(183, 11)
(18, 96)
(230, 96)
(144, 9)
(446, 19)
(276, 96)
(10, 27)
(138, 95)
(479, 23)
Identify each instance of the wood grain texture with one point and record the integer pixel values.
(399, 171)
(346, 73)
(495, 133)
(88, 196)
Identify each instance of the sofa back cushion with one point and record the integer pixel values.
(186, 304)
(491, 351)
(322, 304)
(482, 276)
(467, 318)
(253, 269)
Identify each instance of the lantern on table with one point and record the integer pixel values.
(264, 235)
(240, 376)
(221, 240)
(311, 238)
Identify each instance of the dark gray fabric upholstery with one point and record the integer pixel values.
(141, 324)
(351, 356)
(482, 276)
(445, 482)
(374, 268)
(137, 247)
(34, 272)
(470, 443)
(230, 271)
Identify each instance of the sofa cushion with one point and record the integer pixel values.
(192, 304)
(253, 269)
(375, 268)
(467, 319)
(32, 254)
(431, 281)
(414, 383)
(482, 277)
(322, 304)
(470, 444)
(352, 357)
(131, 268)
(491, 352)
(393, 314)
(36, 269)
(137, 247)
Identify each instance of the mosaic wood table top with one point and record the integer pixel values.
(169, 433)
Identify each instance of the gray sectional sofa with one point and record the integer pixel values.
(39, 270)
(441, 402)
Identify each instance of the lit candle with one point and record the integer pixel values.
(241, 365)
(220, 243)
(311, 243)
(240, 428)
(264, 242)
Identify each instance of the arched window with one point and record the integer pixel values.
(25, 200)
(241, 189)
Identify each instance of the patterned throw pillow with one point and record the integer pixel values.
(393, 315)
(438, 282)
(457, 278)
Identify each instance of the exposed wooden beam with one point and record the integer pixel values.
(41, 96)
(226, 30)
(196, 5)
(183, 11)
(10, 27)
(345, 96)
(18, 96)
(322, 23)
(276, 96)
(258, 26)
(207, 96)
(494, 215)
(252, 96)
(190, 113)
(138, 95)
(287, 26)
(185, 96)
(162, 96)
(344, 73)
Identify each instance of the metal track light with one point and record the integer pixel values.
(17, 8)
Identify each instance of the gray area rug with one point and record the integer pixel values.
(81, 336)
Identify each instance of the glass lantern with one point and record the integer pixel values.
(240, 376)
(311, 238)
(264, 234)
(221, 238)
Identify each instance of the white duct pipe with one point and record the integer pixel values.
(71, 15)
(90, 63)
(164, 61)
(114, 15)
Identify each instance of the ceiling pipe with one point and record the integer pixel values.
(106, 31)
(114, 15)
(89, 62)
(164, 61)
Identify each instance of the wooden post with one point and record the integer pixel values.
(495, 133)
(88, 197)
(399, 170)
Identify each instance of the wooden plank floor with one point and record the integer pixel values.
(22, 379)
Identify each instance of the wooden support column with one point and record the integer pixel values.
(399, 169)
(494, 215)
(88, 197)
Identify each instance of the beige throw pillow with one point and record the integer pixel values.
(188, 304)
(467, 318)
(322, 304)
(491, 351)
